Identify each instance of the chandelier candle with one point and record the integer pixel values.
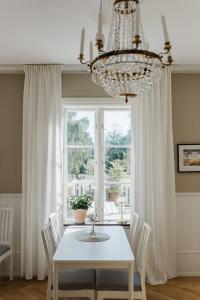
(126, 67)
(137, 29)
(165, 31)
(91, 51)
(100, 17)
(82, 41)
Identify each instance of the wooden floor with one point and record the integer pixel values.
(175, 289)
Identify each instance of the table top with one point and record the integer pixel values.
(116, 249)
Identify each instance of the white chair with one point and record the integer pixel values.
(6, 230)
(114, 283)
(55, 228)
(134, 232)
(71, 282)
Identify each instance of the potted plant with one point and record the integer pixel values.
(80, 205)
(113, 192)
(115, 174)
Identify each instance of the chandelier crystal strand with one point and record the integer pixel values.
(127, 68)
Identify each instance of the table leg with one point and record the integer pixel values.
(130, 281)
(55, 281)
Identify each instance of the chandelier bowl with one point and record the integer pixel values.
(126, 72)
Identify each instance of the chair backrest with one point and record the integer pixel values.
(133, 231)
(48, 243)
(6, 225)
(142, 250)
(55, 228)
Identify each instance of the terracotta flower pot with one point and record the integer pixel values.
(113, 196)
(79, 216)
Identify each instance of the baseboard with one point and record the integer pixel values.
(189, 274)
(8, 274)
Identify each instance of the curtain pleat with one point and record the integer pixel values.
(41, 162)
(155, 197)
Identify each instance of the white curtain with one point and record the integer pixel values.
(41, 178)
(155, 176)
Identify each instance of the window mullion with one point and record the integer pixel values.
(97, 177)
(100, 182)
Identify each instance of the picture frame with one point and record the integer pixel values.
(188, 157)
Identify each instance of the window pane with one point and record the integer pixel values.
(80, 164)
(117, 127)
(80, 128)
(117, 164)
(117, 195)
(80, 188)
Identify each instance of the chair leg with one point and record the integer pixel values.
(99, 296)
(11, 266)
(49, 284)
(92, 296)
(95, 295)
(144, 296)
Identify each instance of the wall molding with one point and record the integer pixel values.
(19, 69)
(186, 195)
(82, 69)
(3, 196)
(183, 68)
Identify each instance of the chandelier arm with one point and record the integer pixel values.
(166, 65)
(163, 53)
(101, 51)
(169, 62)
(81, 59)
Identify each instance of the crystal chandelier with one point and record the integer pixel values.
(126, 67)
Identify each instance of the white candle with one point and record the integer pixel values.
(137, 27)
(165, 31)
(82, 41)
(100, 16)
(91, 51)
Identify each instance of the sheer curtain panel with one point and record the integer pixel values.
(155, 199)
(41, 178)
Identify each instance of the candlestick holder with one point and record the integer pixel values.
(81, 58)
(167, 46)
(137, 41)
(99, 45)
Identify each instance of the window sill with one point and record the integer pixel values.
(98, 223)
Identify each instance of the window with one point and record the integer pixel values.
(97, 158)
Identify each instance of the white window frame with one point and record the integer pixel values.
(96, 105)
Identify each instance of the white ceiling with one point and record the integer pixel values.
(48, 31)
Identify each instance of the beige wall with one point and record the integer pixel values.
(186, 122)
(11, 95)
(80, 85)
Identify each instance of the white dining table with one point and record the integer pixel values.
(114, 253)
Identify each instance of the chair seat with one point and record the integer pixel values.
(4, 248)
(78, 279)
(116, 280)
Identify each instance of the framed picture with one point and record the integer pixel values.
(188, 158)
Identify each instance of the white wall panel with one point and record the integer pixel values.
(13, 200)
(188, 232)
